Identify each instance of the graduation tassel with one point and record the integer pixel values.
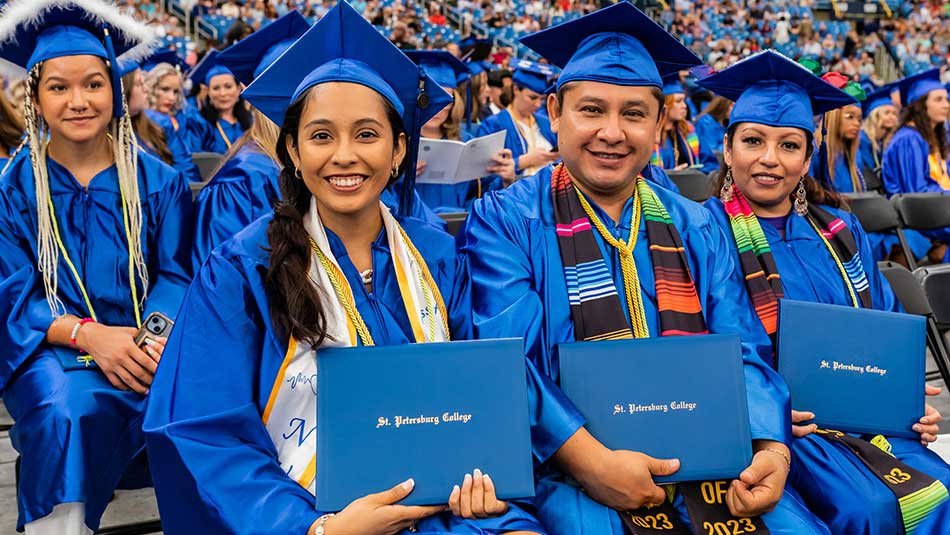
(409, 178)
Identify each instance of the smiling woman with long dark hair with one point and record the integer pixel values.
(332, 266)
(94, 237)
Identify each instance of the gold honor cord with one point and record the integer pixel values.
(227, 140)
(345, 295)
(841, 268)
(75, 273)
(631, 281)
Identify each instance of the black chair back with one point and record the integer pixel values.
(906, 288)
(935, 281)
(196, 187)
(454, 221)
(923, 211)
(693, 184)
(873, 180)
(206, 162)
(873, 210)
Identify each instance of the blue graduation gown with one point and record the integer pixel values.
(76, 433)
(518, 290)
(214, 464)
(244, 188)
(710, 132)
(834, 483)
(906, 170)
(216, 142)
(178, 143)
(513, 139)
(707, 159)
(657, 175)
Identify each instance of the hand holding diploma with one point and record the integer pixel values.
(377, 514)
(929, 424)
(799, 431)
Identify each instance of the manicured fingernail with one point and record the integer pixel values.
(408, 484)
(477, 473)
(456, 489)
(468, 478)
(149, 342)
(487, 478)
(917, 428)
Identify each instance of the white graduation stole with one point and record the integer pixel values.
(291, 411)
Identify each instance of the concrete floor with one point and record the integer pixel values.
(139, 505)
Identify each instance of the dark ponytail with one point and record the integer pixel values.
(814, 191)
(294, 302)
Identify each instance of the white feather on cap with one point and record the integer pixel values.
(22, 13)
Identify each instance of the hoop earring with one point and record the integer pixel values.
(298, 174)
(727, 184)
(394, 173)
(801, 199)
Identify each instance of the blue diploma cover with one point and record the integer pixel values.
(432, 412)
(858, 370)
(676, 396)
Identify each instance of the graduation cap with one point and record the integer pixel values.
(672, 85)
(770, 89)
(344, 47)
(248, 58)
(441, 66)
(617, 45)
(876, 99)
(531, 75)
(165, 55)
(208, 68)
(33, 31)
(919, 85)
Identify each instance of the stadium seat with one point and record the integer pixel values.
(913, 299)
(693, 184)
(921, 211)
(454, 221)
(206, 162)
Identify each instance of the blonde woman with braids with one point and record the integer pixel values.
(94, 236)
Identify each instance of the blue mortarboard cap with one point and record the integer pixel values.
(876, 99)
(477, 67)
(165, 55)
(33, 31)
(344, 47)
(208, 68)
(919, 85)
(532, 75)
(615, 45)
(441, 66)
(770, 89)
(248, 58)
(672, 84)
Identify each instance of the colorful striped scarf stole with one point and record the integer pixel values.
(595, 304)
(764, 285)
(755, 257)
(691, 141)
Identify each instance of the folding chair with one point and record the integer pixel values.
(920, 211)
(874, 211)
(694, 184)
(454, 221)
(196, 187)
(206, 162)
(914, 299)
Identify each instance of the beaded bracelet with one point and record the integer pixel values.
(321, 524)
(75, 333)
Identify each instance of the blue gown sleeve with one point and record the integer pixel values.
(214, 465)
(505, 304)
(657, 175)
(728, 309)
(906, 167)
(170, 230)
(23, 307)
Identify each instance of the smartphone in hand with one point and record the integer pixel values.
(157, 325)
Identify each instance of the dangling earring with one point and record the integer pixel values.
(726, 192)
(298, 174)
(394, 173)
(801, 199)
